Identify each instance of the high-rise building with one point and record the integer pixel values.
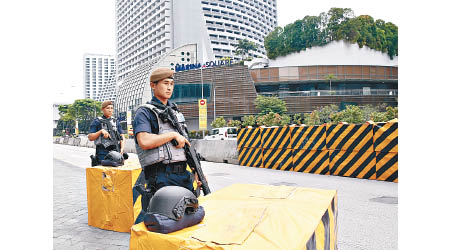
(146, 30)
(99, 72)
(135, 89)
(229, 21)
(109, 89)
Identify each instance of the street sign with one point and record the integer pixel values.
(130, 129)
(202, 115)
(128, 117)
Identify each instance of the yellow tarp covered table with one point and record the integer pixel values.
(110, 196)
(249, 216)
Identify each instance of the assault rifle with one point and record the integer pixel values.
(191, 155)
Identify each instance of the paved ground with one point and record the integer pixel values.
(367, 209)
(70, 215)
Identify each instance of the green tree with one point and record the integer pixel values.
(326, 112)
(267, 104)
(234, 123)
(66, 120)
(330, 77)
(377, 116)
(84, 111)
(336, 17)
(351, 114)
(274, 43)
(369, 110)
(273, 119)
(249, 121)
(243, 47)
(313, 118)
(337, 24)
(298, 118)
(219, 122)
(391, 113)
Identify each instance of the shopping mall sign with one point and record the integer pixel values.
(210, 64)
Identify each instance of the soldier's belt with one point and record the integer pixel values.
(176, 168)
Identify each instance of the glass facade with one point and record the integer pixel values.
(335, 85)
(188, 93)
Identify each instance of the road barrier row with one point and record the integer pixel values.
(366, 151)
(223, 151)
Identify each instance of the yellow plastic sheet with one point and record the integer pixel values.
(248, 216)
(110, 196)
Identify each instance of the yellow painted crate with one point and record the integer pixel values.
(110, 196)
(250, 216)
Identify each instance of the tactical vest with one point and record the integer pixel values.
(166, 153)
(113, 141)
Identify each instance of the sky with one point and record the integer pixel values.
(89, 27)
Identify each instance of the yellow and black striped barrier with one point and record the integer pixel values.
(310, 154)
(366, 151)
(351, 150)
(356, 164)
(249, 147)
(280, 159)
(350, 137)
(249, 138)
(385, 137)
(275, 138)
(250, 157)
(387, 166)
(311, 161)
(308, 137)
(276, 144)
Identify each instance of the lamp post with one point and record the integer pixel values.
(201, 79)
(330, 77)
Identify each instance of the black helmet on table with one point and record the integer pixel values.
(173, 202)
(113, 158)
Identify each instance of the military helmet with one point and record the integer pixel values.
(115, 156)
(173, 202)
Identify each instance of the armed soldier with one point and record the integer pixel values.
(107, 134)
(159, 146)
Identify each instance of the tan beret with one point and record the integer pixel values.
(106, 103)
(160, 74)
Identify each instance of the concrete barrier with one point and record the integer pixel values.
(211, 150)
(130, 146)
(70, 141)
(90, 144)
(222, 151)
(55, 139)
(83, 142)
